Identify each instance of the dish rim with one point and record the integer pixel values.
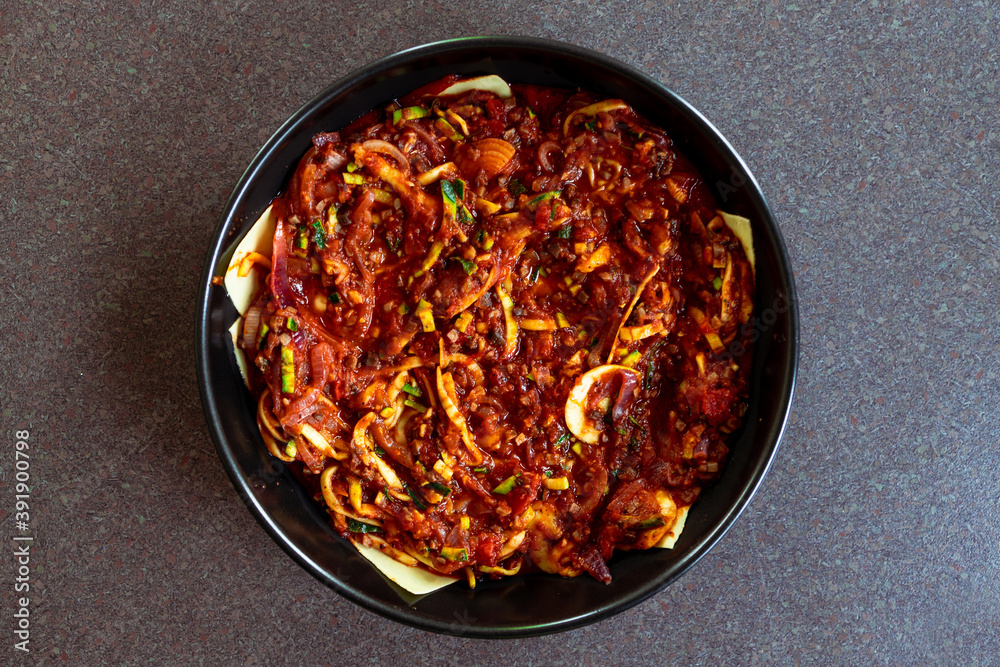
(222, 241)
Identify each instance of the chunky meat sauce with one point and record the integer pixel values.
(496, 331)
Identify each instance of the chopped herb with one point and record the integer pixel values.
(516, 187)
(319, 234)
(591, 125)
(393, 243)
(292, 325)
(467, 266)
(413, 391)
(655, 522)
(545, 195)
(563, 438)
(717, 283)
(334, 297)
(548, 473)
(355, 526)
(380, 452)
(620, 431)
(634, 420)
(480, 469)
(533, 274)
(417, 500)
(564, 232)
(437, 487)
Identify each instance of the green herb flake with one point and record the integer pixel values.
(448, 190)
(564, 232)
(355, 526)
(417, 500)
(319, 234)
(545, 195)
(413, 391)
(717, 283)
(439, 488)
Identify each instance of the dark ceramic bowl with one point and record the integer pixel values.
(537, 603)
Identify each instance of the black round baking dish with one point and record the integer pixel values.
(536, 603)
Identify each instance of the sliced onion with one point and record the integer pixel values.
(629, 381)
(429, 141)
(544, 149)
(301, 408)
(577, 420)
(279, 269)
(251, 326)
(380, 146)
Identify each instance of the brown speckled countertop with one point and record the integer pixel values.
(874, 130)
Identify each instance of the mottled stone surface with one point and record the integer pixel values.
(874, 129)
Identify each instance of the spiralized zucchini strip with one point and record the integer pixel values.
(592, 110)
(332, 499)
(363, 446)
(628, 311)
(449, 401)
